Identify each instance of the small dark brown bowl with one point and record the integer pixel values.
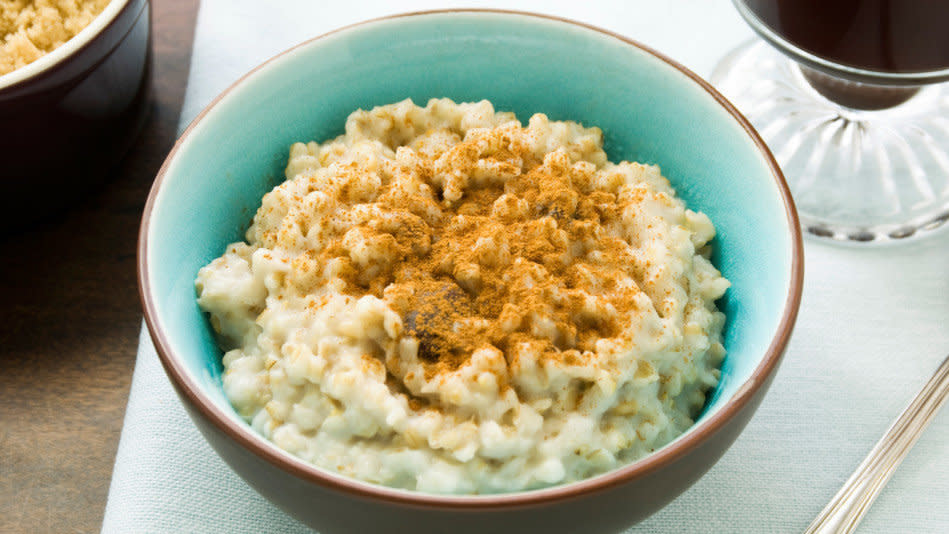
(69, 117)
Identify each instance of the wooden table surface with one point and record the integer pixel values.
(70, 321)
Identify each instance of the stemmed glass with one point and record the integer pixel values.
(848, 95)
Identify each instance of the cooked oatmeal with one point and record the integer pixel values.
(30, 29)
(442, 299)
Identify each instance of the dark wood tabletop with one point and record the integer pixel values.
(70, 321)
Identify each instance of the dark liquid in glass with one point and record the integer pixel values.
(880, 35)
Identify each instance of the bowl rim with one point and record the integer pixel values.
(670, 453)
(43, 64)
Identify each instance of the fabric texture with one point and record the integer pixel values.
(873, 326)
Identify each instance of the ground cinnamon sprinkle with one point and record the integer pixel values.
(526, 256)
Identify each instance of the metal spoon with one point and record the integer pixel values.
(847, 508)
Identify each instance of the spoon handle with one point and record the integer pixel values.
(847, 508)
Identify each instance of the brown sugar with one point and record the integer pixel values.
(30, 29)
(527, 258)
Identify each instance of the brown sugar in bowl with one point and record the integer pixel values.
(67, 118)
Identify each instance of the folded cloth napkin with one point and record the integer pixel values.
(873, 326)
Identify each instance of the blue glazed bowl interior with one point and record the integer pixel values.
(648, 110)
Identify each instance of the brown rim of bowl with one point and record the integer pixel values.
(48, 70)
(668, 454)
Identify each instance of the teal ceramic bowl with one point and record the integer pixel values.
(650, 110)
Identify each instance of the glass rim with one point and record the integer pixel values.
(833, 68)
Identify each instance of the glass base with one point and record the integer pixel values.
(856, 175)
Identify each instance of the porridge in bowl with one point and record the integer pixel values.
(443, 299)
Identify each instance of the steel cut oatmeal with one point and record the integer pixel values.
(445, 300)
